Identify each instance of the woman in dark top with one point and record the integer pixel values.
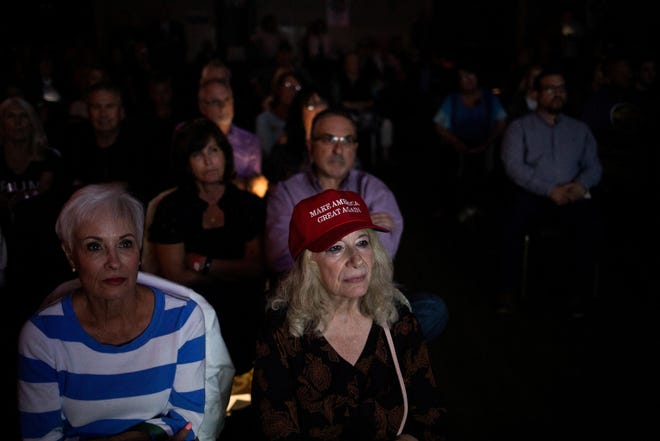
(324, 369)
(30, 200)
(208, 234)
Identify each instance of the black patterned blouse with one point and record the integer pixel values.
(303, 390)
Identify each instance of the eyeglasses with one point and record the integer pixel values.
(290, 85)
(313, 105)
(552, 90)
(217, 102)
(328, 139)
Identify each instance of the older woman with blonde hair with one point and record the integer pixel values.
(27, 164)
(341, 355)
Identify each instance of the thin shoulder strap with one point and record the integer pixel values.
(398, 373)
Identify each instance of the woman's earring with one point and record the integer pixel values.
(73, 269)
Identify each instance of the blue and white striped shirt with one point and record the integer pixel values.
(73, 387)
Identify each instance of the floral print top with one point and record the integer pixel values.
(303, 390)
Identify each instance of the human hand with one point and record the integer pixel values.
(183, 433)
(575, 191)
(560, 195)
(383, 220)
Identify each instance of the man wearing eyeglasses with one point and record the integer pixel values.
(552, 160)
(216, 102)
(332, 152)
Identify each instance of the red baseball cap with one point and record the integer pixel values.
(321, 220)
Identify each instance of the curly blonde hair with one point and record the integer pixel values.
(302, 292)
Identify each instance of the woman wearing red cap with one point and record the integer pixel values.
(341, 355)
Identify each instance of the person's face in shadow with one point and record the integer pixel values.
(333, 147)
(105, 111)
(208, 164)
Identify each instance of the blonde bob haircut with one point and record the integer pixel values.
(305, 296)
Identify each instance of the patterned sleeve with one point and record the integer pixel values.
(426, 413)
(272, 389)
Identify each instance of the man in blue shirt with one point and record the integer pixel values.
(552, 160)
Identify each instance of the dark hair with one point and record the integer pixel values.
(546, 72)
(333, 111)
(192, 136)
(105, 85)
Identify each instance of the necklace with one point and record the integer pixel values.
(214, 216)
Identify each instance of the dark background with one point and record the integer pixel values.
(534, 376)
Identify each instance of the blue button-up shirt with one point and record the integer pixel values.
(539, 156)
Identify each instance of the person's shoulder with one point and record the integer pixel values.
(176, 296)
(292, 184)
(407, 322)
(526, 118)
(241, 132)
(366, 181)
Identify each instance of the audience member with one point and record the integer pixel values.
(84, 77)
(354, 91)
(270, 122)
(215, 69)
(219, 369)
(644, 72)
(319, 54)
(339, 305)
(552, 160)
(107, 148)
(615, 115)
(208, 235)
(216, 102)
(28, 165)
(267, 39)
(471, 121)
(112, 341)
(291, 157)
(332, 151)
(524, 98)
(30, 200)
(158, 121)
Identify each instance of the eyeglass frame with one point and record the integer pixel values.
(553, 90)
(290, 85)
(217, 102)
(330, 139)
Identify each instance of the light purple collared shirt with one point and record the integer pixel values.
(247, 152)
(286, 194)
